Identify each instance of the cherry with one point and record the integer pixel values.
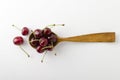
(52, 38)
(25, 31)
(39, 49)
(46, 31)
(37, 33)
(18, 40)
(43, 41)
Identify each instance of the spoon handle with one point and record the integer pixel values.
(95, 37)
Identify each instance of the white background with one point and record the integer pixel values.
(74, 61)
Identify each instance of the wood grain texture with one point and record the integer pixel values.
(95, 37)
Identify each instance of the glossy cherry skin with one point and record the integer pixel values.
(46, 31)
(18, 40)
(52, 38)
(43, 41)
(37, 33)
(39, 49)
(25, 31)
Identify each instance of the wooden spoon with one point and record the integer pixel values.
(95, 37)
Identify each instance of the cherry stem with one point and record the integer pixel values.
(53, 25)
(43, 57)
(34, 40)
(24, 51)
(54, 50)
(16, 27)
(50, 47)
(54, 53)
(32, 31)
(47, 47)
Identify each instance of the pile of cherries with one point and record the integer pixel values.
(41, 40)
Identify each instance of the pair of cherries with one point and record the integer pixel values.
(19, 40)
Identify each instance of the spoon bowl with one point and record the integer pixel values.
(32, 35)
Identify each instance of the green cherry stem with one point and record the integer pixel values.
(32, 31)
(16, 27)
(53, 25)
(47, 47)
(24, 51)
(43, 57)
(54, 50)
(35, 40)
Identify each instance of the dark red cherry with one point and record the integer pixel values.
(52, 38)
(38, 33)
(43, 42)
(46, 31)
(25, 31)
(18, 40)
(39, 49)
